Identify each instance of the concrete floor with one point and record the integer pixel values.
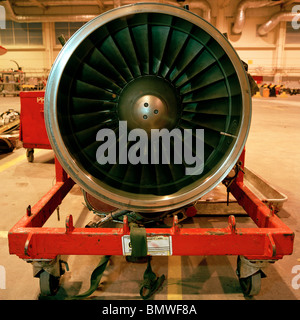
(272, 152)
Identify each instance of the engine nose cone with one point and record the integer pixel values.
(149, 102)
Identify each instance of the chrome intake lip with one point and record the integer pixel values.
(122, 198)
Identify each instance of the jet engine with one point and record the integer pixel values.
(129, 79)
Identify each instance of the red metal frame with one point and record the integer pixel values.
(272, 239)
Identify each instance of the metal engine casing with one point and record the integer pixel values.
(194, 78)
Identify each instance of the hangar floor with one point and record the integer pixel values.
(272, 151)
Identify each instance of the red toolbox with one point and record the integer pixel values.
(33, 132)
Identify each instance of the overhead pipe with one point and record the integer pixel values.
(62, 3)
(202, 5)
(192, 4)
(241, 12)
(46, 18)
(275, 19)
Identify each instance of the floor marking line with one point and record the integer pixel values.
(15, 161)
(12, 162)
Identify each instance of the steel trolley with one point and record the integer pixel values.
(32, 125)
(255, 247)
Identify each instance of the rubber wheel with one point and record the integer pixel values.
(49, 284)
(251, 285)
(30, 155)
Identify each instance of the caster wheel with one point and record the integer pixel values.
(48, 284)
(30, 155)
(250, 285)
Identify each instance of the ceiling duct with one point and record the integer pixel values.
(45, 18)
(193, 6)
(275, 19)
(241, 12)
